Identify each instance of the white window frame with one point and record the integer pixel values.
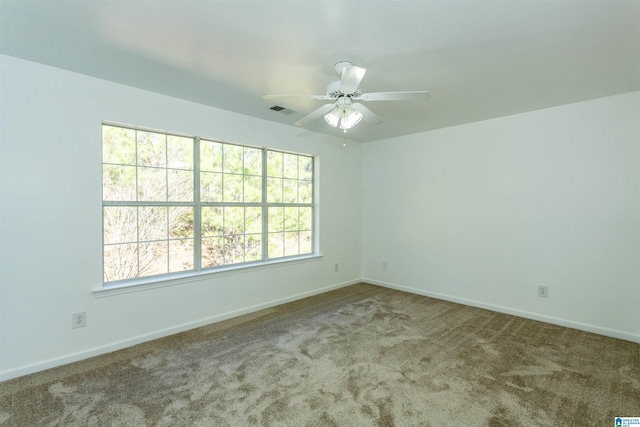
(198, 270)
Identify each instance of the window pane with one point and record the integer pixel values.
(212, 252)
(233, 249)
(306, 246)
(152, 184)
(276, 245)
(118, 145)
(274, 190)
(305, 192)
(153, 223)
(276, 219)
(210, 156)
(274, 164)
(253, 220)
(211, 187)
(232, 158)
(120, 262)
(254, 247)
(253, 161)
(212, 224)
(232, 188)
(154, 258)
(180, 186)
(152, 150)
(291, 244)
(119, 183)
(120, 224)
(181, 222)
(291, 166)
(180, 255)
(252, 189)
(305, 170)
(179, 152)
(233, 220)
(290, 191)
(306, 219)
(291, 219)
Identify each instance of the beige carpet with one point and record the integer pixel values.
(359, 356)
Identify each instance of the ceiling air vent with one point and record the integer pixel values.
(280, 109)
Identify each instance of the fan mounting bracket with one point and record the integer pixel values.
(340, 66)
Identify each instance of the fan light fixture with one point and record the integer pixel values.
(343, 114)
(333, 117)
(350, 118)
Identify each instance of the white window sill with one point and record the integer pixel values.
(181, 278)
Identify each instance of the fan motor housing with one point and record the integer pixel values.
(333, 90)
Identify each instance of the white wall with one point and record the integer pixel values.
(50, 219)
(483, 213)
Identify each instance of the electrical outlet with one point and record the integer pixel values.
(383, 265)
(79, 319)
(543, 291)
(336, 267)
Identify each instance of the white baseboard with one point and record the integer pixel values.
(129, 342)
(520, 313)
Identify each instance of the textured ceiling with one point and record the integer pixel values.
(479, 59)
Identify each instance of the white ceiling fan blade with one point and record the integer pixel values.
(351, 78)
(368, 115)
(320, 97)
(412, 95)
(315, 114)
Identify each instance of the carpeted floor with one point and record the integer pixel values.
(358, 356)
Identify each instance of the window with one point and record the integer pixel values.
(173, 203)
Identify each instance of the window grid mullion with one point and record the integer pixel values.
(137, 207)
(166, 178)
(243, 175)
(223, 235)
(265, 208)
(166, 167)
(313, 205)
(127, 203)
(197, 208)
(284, 210)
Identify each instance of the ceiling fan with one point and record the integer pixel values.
(344, 110)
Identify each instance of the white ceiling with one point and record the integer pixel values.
(479, 59)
